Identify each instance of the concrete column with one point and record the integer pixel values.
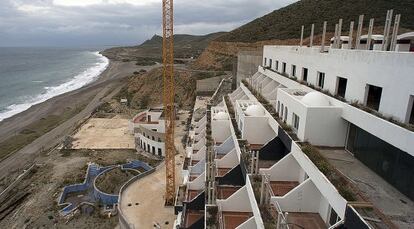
(371, 27)
(359, 31)
(395, 32)
(335, 37)
(323, 37)
(385, 29)
(351, 38)
(338, 40)
(386, 40)
(311, 36)
(301, 36)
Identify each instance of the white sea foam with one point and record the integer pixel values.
(80, 80)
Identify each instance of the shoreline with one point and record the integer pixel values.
(81, 79)
(82, 102)
(14, 123)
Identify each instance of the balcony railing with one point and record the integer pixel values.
(275, 209)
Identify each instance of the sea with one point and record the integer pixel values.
(29, 76)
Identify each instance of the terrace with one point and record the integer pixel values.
(225, 191)
(191, 194)
(192, 217)
(281, 188)
(305, 220)
(231, 220)
(284, 176)
(238, 207)
(266, 86)
(306, 211)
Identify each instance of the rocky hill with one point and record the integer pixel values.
(150, 51)
(145, 90)
(282, 26)
(285, 23)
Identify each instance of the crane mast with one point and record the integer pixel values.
(168, 98)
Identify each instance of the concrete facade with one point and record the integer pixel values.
(247, 63)
(208, 86)
(359, 67)
(149, 131)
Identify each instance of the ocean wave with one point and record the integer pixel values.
(80, 80)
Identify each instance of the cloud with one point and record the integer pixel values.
(33, 8)
(118, 22)
(83, 3)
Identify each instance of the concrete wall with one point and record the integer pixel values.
(198, 183)
(220, 130)
(325, 127)
(238, 202)
(201, 154)
(320, 181)
(387, 131)
(390, 70)
(228, 161)
(287, 169)
(151, 143)
(303, 198)
(208, 86)
(247, 63)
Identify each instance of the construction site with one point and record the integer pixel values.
(304, 133)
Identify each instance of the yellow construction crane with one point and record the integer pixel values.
(169, 108)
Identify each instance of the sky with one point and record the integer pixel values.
(118, 22)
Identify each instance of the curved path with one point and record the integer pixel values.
(142, 203)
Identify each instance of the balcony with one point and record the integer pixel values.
(281, 188)
(221, 172)
(239, 210)
(225, 191)
(191, 218)
(305, 220)
(191, 194)
(231, 220)
(194, 162)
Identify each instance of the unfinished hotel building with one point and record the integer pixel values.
(148, 128)
(254, 162)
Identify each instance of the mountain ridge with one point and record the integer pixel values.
(285, 23)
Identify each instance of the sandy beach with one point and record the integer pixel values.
(85, 99)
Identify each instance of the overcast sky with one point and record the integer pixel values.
(118, 22)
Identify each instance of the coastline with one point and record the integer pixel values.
(81, 79)
(82, 102)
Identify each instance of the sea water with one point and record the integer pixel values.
(29, 76)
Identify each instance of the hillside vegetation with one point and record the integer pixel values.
(150, 51)
(146, 90)
(286, 22)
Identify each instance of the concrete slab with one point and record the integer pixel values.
(104, 133)
(384, 196)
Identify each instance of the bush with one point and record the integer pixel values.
(144, 101)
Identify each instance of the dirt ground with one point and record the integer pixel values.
(148, 192)
(104, 133)
(112, 181)
(39, 209)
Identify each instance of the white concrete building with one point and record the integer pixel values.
(149, 130)
(380, 82)
(405, 42)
